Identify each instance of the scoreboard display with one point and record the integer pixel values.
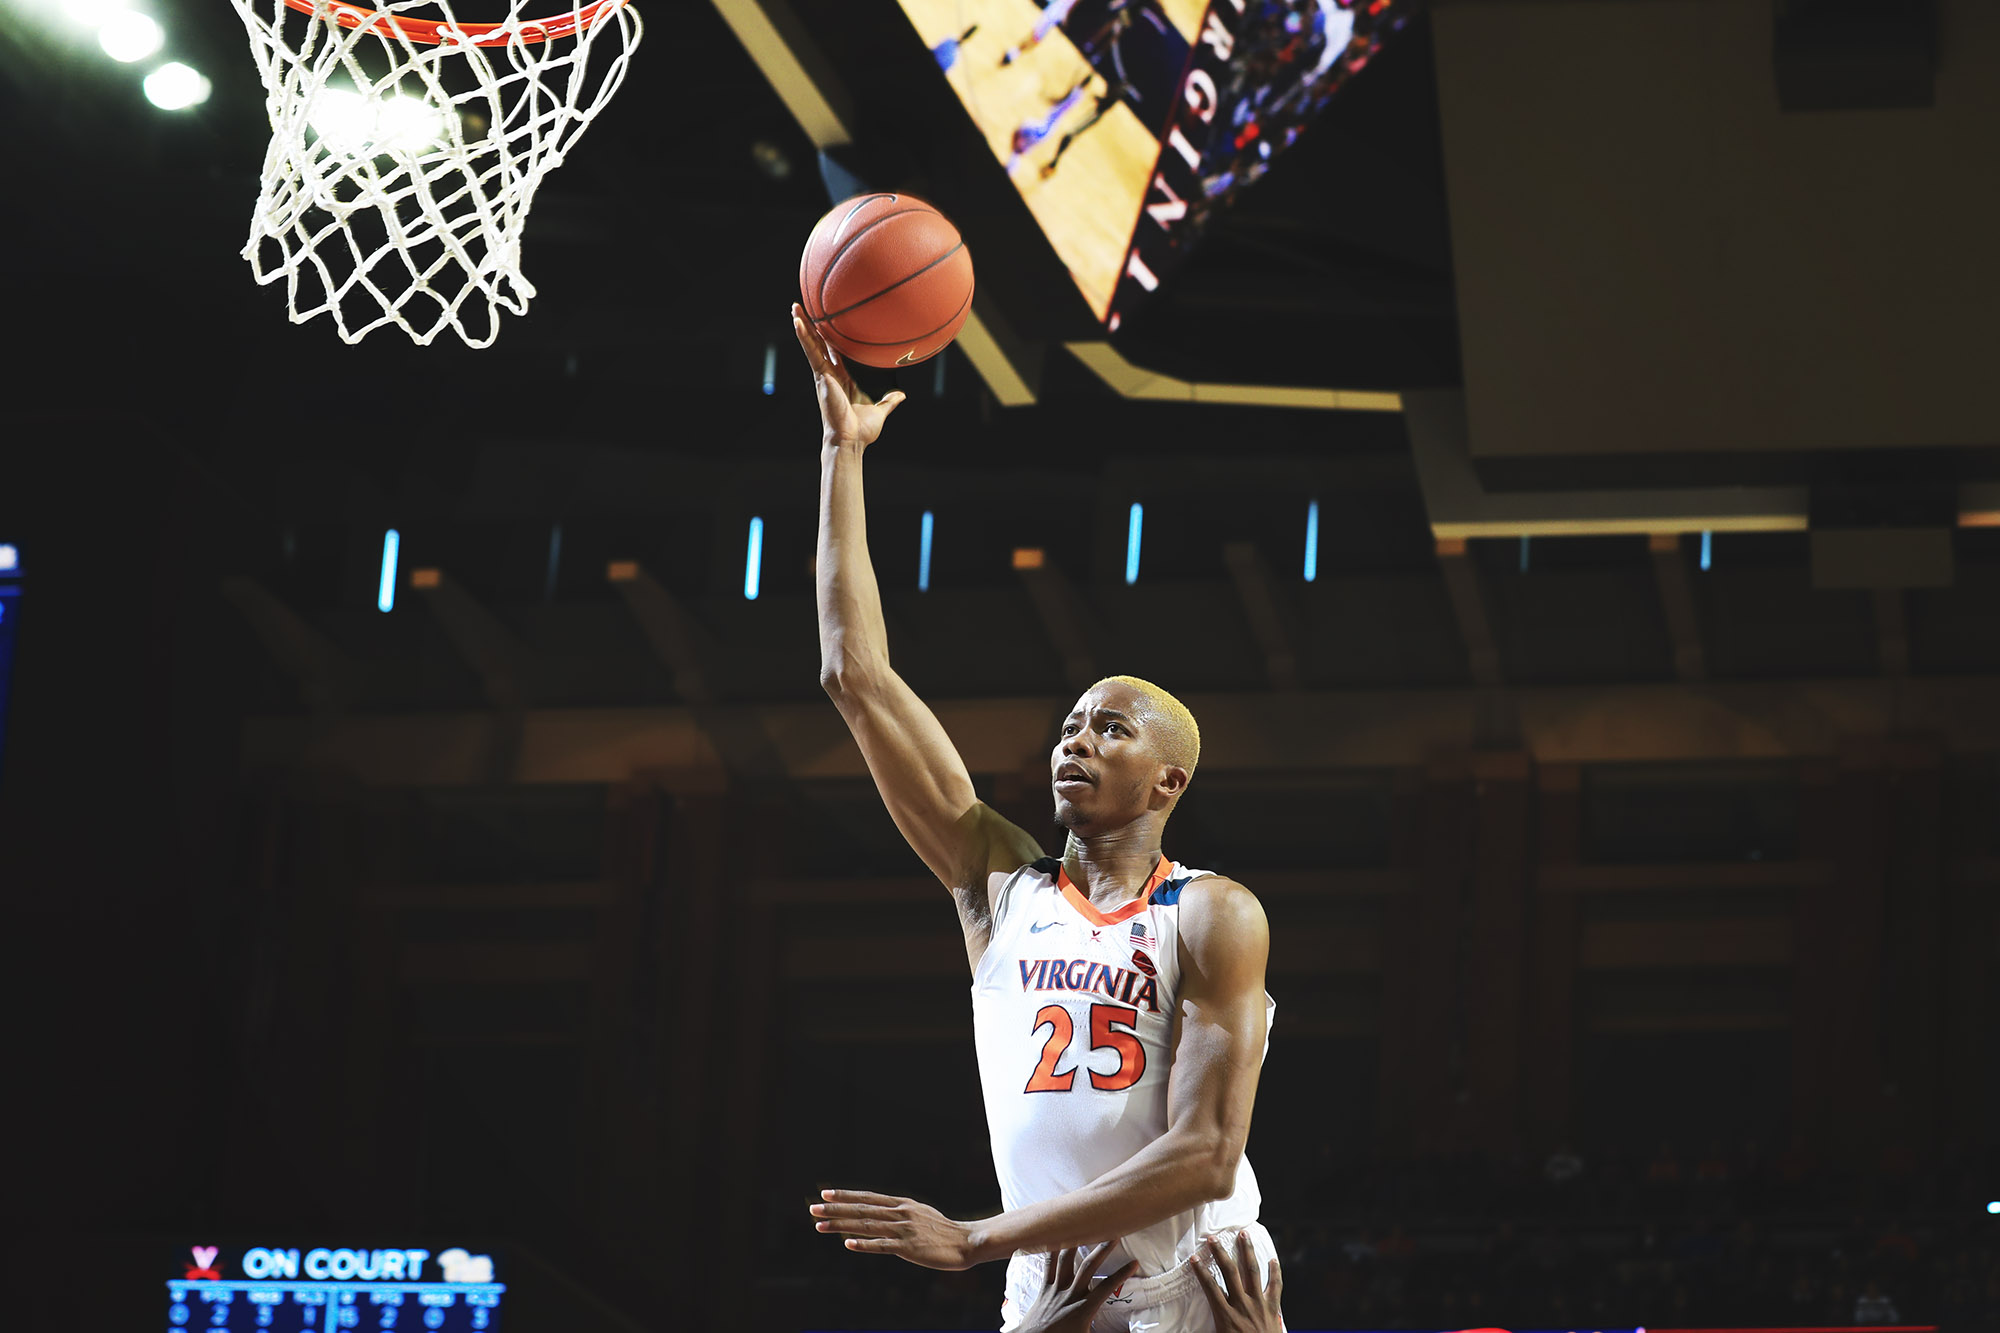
(326, 1289)
(1124, 124)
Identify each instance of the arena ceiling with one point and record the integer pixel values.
(628, 408)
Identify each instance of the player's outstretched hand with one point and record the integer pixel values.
(1238, 1306)
(847, 415)
(884, 1224)
(1067, 1302)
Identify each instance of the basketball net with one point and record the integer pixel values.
(406, 151)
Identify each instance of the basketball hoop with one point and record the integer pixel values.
(406, 152)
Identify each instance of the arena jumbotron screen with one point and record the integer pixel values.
(1125, 123)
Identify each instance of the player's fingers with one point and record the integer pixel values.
(808, 342)
(1274, 1285)
(873, 1246)
(1246, 1259)
(1086, 1267)
(857, 1226)
(1231, 1282)
(892, 401)
(1108, 1288)
(1061, 1269)
(1207, 1279)
(861, 1196)
(854, 1210)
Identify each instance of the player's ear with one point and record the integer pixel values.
(1173, 780)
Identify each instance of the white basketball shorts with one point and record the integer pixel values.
(1169, 1302)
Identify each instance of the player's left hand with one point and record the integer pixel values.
(884, 1224)
(1068, 1302)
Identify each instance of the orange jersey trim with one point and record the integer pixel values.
(1125, 913)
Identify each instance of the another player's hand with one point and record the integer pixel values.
(1235, 1301)
(1067, 1302)
(884, 1224)
(848, 415)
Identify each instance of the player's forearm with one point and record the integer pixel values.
(1174, 1173)
(853, 641)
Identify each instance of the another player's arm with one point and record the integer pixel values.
(920, 774)
(1225, 942)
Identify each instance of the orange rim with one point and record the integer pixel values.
(429, 32)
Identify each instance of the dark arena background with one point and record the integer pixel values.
(1564, 482)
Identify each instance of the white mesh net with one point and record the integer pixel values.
(401, 172)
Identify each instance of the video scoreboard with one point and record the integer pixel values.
(1125, 124)
(324, 1289)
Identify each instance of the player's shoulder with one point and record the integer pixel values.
(1216, 905)
(1030, 877)
(1040, 868)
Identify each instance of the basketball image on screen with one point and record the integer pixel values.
(1123, 123)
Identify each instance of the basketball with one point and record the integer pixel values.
(886, 279)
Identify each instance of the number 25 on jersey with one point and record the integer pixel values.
(1112, 1027)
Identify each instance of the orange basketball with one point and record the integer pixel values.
(886, 279)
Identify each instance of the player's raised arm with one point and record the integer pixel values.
(922, 779)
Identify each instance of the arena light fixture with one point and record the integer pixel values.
(10, 558)
(924, 552)
(1993, 1207)
(91, 13)
(128, 36)
(770, 369)
(1134, 525)
(753, 561)
(176, 87)
(385, 590)
(1707, 550)
(1312, 540)
(354, 125)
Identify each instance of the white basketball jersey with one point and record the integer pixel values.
(1073, 1013)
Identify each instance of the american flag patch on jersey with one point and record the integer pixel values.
(1141, 937)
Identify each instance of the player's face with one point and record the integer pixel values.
(1102, 769)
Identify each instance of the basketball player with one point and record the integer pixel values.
(1029, 133)
(1113, 94)
(1118, 997)
(1052, 16)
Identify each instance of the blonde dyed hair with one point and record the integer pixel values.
(1175, 735)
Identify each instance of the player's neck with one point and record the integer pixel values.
(1112, 868)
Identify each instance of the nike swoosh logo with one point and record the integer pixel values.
(1046, 925)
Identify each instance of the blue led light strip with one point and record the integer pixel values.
(1312, 540)
(1132, 531)
(753, 561)
(924, 555)
(385, 592)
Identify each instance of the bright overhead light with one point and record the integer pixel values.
(350, 123)
(175, 87)
(407, 125)
(91, 13)
(128, 36)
